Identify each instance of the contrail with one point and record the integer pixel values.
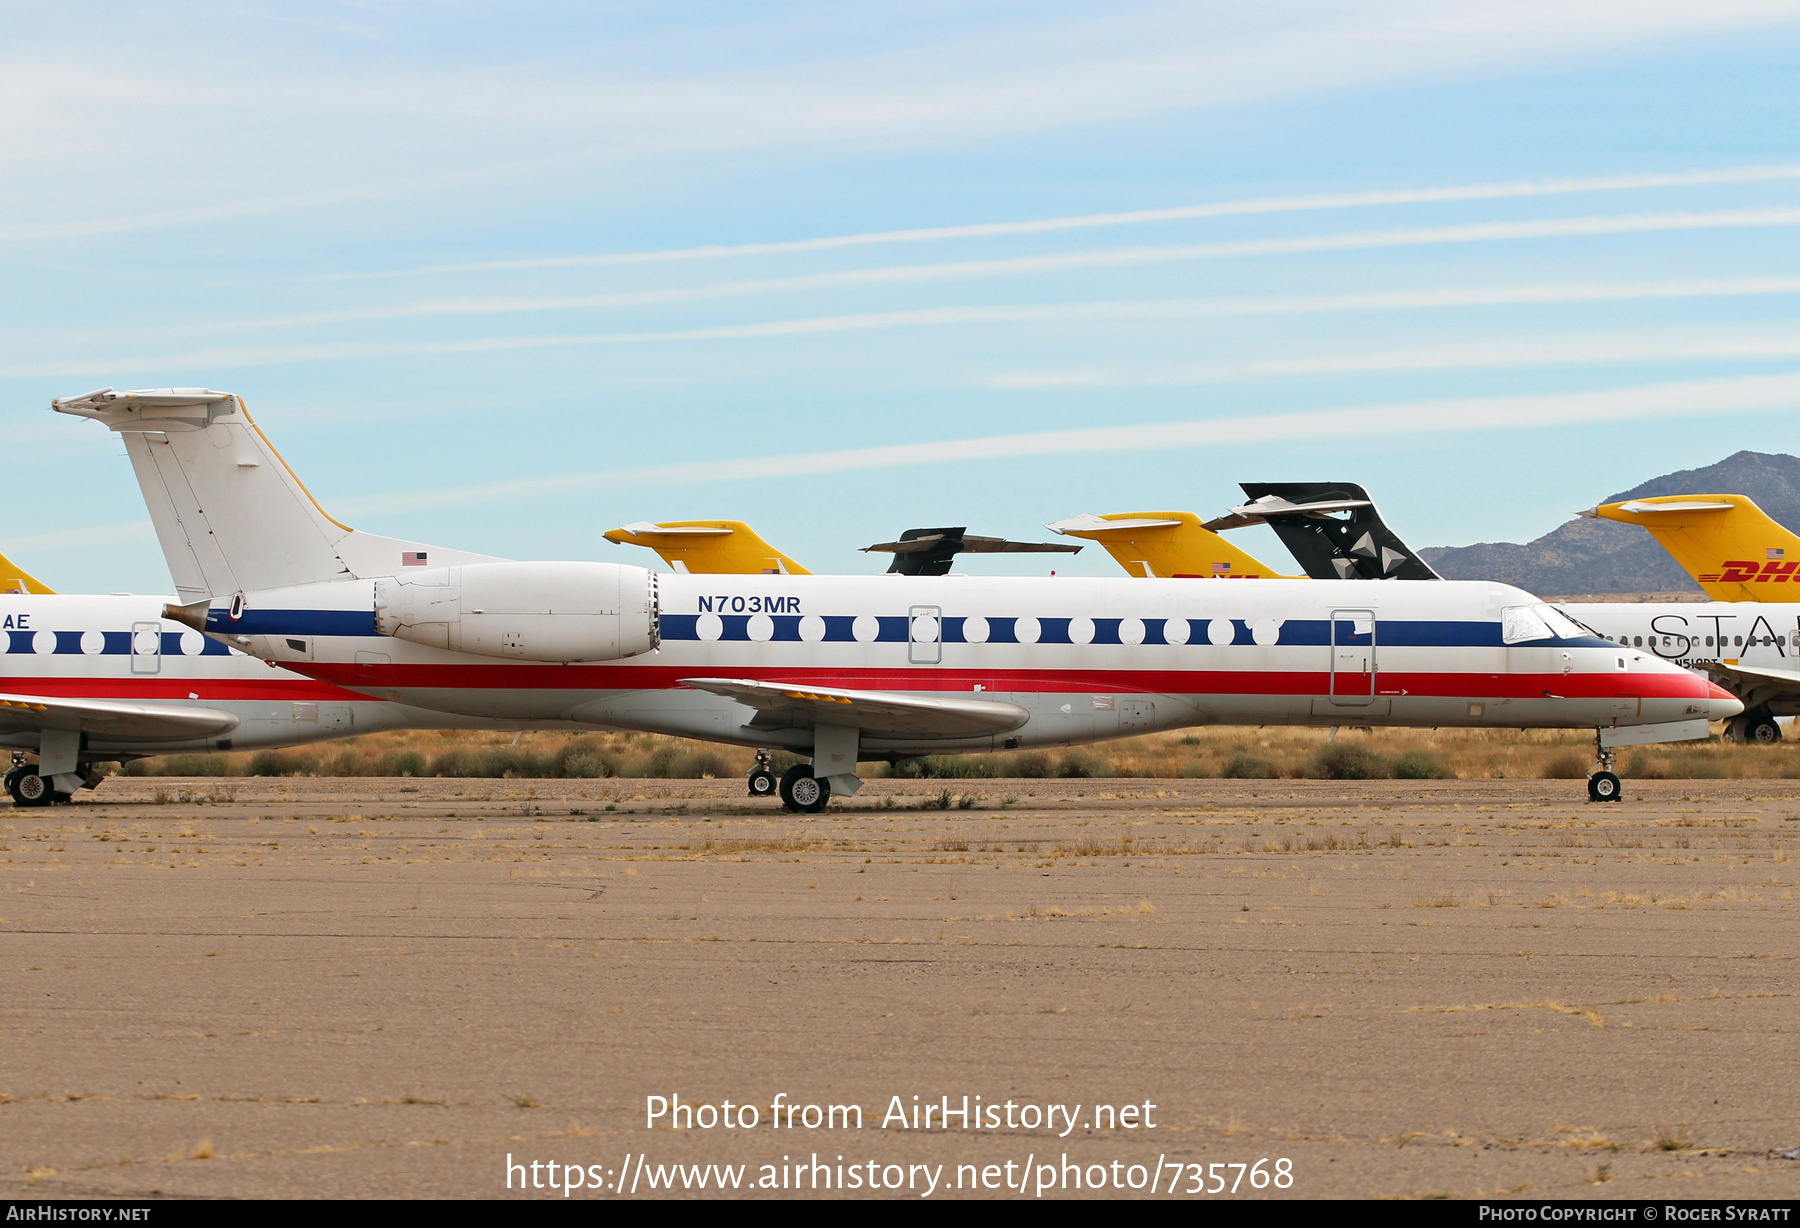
(1089, 221)
(1102, 311)
(1746, 394)
(917, 274)
(1535, 351)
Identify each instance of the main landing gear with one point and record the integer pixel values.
(28, 788)
(762, 776)
(802, 792)
(1603, 782)
(1756, 725)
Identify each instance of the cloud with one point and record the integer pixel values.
(134, 533)
(1536, 351)
(433, 91)
(1741, 395)
(1054, 262)
(1136, 217)
(1104, 311)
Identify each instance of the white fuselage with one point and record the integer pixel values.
(1703, 632)
(1752, 635)
(118, 648)
(1089, 659)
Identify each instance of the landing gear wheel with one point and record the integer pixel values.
(29, 789)
(1604, 787)
(802, 792)
(762, 782)
(1763, 730)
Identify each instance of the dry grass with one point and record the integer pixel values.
(1469, 754)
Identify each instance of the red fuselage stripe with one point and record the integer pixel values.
(1149, 682)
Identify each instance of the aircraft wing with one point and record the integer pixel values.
(880, 713)
(1753, 674)
(114, 721)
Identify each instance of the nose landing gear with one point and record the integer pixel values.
(762, 777)
(1603, 783)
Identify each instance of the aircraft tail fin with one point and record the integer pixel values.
(15, 579)
(1166, 545)
(230, 514)
(708, 547)
(1333, 530)
(1732, 548)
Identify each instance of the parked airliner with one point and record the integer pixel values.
(843, 668)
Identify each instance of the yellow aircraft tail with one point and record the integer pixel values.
(709, 547)
(15, 579)
(1731, 547)
(1167, 545)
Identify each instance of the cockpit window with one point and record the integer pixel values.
(1519, 623)
(1585, 628)
(1564, 627)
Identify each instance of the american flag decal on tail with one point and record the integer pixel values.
(412, 558)
(1775, 552)
(1219, 569)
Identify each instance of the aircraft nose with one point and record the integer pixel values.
(1724, 705)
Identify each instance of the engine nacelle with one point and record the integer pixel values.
(524, 611)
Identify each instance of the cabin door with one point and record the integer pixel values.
(1352, 657)
(925, 635)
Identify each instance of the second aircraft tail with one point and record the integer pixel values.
(1732, 548)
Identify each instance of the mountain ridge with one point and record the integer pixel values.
(1604, 556)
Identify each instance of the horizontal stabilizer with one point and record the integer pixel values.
(1638, 507)
(114, 721)
(1089, 525)
(708, 547)
(971, 545)
(876, 713)
(1258, 511)
(930, 552)
(643, 528)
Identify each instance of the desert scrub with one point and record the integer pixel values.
(1420, 765)
(1246, 766)
(1348, 761)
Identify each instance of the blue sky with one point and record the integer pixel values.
(506, 276)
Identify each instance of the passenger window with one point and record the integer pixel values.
(1638, 641)
(1709, 642)
(1738, 641)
